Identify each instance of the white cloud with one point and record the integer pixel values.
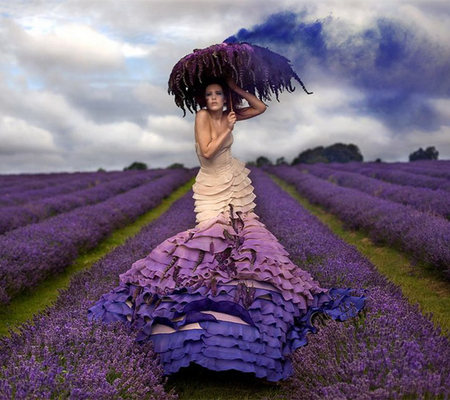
(19, 137)
(72, 46)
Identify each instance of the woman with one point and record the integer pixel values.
(224, 294)
(213, 138)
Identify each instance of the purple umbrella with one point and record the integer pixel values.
(256, 69)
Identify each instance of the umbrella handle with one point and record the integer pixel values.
(231, 101)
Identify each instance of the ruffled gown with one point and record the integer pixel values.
(224, 294)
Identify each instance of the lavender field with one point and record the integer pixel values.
(32, 252)
(409, 216)
(391, 351)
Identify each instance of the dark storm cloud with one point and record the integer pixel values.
(397, 66)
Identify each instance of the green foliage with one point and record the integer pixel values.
(261, 161)
(175, 165)
(280, 161)
(430, 153)
(136, 165)
(337, 152)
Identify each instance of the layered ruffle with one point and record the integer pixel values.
(231, 247)
(224, 295)
(217, 187)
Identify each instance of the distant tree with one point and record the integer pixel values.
(175, 165)
(250, 164)
(430, 153)
(378, 160)
(280, 161)
(101, 170)
(310, 156)
(262, 161)
(136, 165)
(342, 153)
(337, 152)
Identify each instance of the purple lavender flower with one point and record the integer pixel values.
(435, 202)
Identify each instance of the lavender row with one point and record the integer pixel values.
(17, 179)
(390, 351)
(85, 181)
(33, 184)
(393, 175)
(30, 213)
(423, 236)
(436, 202)
(437, 171)
(31, 253)
(60, 354)
(434, 168)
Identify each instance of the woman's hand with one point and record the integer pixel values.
(256, 106)
(231, 119)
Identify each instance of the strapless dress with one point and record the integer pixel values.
(223, 294)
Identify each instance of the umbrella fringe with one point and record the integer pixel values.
(256, 69)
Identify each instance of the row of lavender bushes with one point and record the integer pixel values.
(15, 182)
(423, 236)
(33, 177)
(436, 202)
(391, 351)
(437, 169)
(31, 253)
(388, 173)
(15, 216)
(61, 354)
(23, 183)
(22, 193)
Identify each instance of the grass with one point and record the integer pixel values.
(32, 301)
(420, 283)
(198, 383)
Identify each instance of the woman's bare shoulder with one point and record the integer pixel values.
(201, 115)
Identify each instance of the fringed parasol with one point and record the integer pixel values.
(255, 69)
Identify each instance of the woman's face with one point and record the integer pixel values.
(214, 96)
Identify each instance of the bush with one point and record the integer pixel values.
(430, 153)
(136, 165)
(337, 152)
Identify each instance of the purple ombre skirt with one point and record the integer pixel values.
(226, 296)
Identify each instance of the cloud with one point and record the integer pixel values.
(397, 65)
(71, 47)
(17, 136)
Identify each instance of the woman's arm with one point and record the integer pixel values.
(208, 145)
(256, 106)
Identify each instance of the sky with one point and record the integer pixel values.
(83, 84)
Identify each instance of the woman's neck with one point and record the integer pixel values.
(216, 115)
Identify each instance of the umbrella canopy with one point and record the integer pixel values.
(256, 69)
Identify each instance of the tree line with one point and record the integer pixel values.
(341, 153)
(338, 152)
